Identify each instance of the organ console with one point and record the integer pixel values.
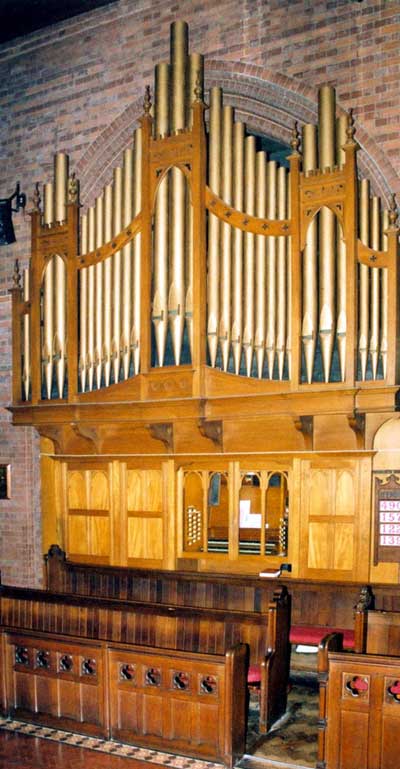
(214, 317)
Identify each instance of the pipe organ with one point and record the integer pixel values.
(210, 349)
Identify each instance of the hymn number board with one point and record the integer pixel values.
(387, 517)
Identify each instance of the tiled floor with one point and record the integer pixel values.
(20, 751)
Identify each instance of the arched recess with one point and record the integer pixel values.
(267, 101)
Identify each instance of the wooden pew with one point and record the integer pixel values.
(182, 628)
(360, 695)
(316, 606)
(360, 723)
(188, 703)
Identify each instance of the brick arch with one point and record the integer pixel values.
(267, 101)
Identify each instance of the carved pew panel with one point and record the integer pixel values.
(189, 704)
(49, 679)
(363, 712)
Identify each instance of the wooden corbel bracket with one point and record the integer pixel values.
(357, 423)
(213, 430)
(88, 433)
(162, 431)
(56, 433)
(305, 425)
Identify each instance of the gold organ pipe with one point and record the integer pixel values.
(60, 323)
(116, 276)
(214, 226)
(83, 309)
(237, 255)
(179, 57)
(127, 264)
(281, 274)
(309, 277)
(160, 278)
(341, 311)
(61, 186)
(99, 298)
(384, 298)
(364, 280)
(375, 287)
(226, 237)
(48, 204)
(107, 277)
(249, 204)
(176, 297)
(195, 80)
(48, 322)
(327, 221)
(91, 299)
(136, 293)
(271, 269)
(26, 374)
(289, 287)
(260, 258)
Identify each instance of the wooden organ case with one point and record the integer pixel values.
(210, 350)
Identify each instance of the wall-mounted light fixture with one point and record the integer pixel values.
(7, 234)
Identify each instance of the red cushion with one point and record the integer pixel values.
(312, 635)
(254, 674)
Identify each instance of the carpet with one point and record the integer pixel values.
(293, 739)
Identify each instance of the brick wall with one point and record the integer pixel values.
(78, 87)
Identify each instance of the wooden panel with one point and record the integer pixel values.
(64, 690)
(78, 538)
(345, 495)
(88, 533)
(361, 713)
(145, 538)
(76, 492)
(178, 702)
(335, 533)
(343, 546)
(319, 545)
(99, 497)
(98, 536)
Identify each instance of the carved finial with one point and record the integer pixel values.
(393, 211)
(198, 90)
(73, 189)
(350, 130)
(147, 100)
(16, 275)
(295, 140)
(36, 200)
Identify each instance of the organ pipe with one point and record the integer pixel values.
(375, 287)
(116, 276)
(327, 230)
(249, 204)
(237, 254)
(98, 292)
(107, 273)
(136, 293)
(282, 270)
(226, 237)
(160, 296)
(309, 276)
(214, 225)
(364, 280)
(341, 325)
(127, 263)
(271, 271)
(176, 297)
(260, 261)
